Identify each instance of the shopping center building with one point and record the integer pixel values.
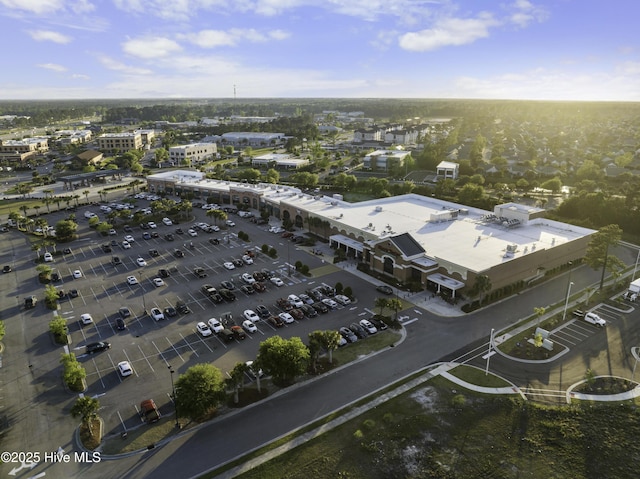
(441, 245)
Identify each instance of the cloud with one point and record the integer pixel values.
(52, 66)
(49, 36)
(449, 32)
(78, 76)
(115, 65)
(523, 12)
(40, 7)
(150, 47)
(218, 38)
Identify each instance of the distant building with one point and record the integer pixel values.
(279, 161)
(193, 153)
(448, 170)
(119, 142)
(242, 139)
(17, 151)
(384, 160)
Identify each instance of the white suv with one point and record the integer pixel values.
(593, 318)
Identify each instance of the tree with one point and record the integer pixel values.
(328, 341)
(236, 379)
(51, 296)
(44, 272)
(481, 286)
(73, 373)
(283, 359)
(86, 408)
(217, 215)
(598, 256)
(304, 179)
(86, 195)
(199, 390)
(382, 303)
(2, 330)
(539, 312)
(555, 185)
(272, 176)
(250, 174)
(470, 194)
(58, 327)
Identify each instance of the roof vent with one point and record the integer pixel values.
(378, 208)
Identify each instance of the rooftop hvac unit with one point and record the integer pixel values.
(334, 203)
(341, 215)
(378, 208)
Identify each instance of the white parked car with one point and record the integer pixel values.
(229, 265)
(167, 221)
(368, 327)
(157, 282)
(141, 262)
(247, 278)
(342, 299)
(229, 223)
(215, 325)
(124, 368)
(286, 317)
(249, 327)
(276, 229)
(48, 257)
(247, 259)
(294, 301)
(251, 315)
(129, 238)
(157, 314)
(152, 225)
(593, 318)
(192, 232)
(86, 318)
(203, 329)
(77, 274)
(132, 280)
(277, 281)
(330, 303)
(126, 245)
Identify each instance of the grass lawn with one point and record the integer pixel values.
(477, 376)
(432, 432)
(141, 437)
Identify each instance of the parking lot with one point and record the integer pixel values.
(575, 331)
(154, 348)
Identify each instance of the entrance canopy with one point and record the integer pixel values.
(346, 241)
(445, 282)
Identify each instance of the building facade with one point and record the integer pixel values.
(193, 153)
(119, 142)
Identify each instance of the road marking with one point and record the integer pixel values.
(411, 321)
(417, 311)
(488, 355)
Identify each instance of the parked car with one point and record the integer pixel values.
(294, 300)
(247, 289)
(77, 274)
(48, 257)
(238, 332)
(97, 347)
(170, 312)
(342, 299)
(275, 321)
(182, 307)
(229, 265)
(263, 311)
(116, 260)
(215, 325)
(249, 326)
(200, 272)
(297, 314)
(358, 330)
(259, 287)
(203, 329)
(227, 295)
(154, 253)
(593, 318)
(157, 282)
(320, 307)
(330, 303)
(247, 259)
(286, 317)
(86, 318)
(163, 273)
(238, 263)
(141, 262)
(149, 411)
(368, 326)
(347, 334)
(306, 299)
(308, 311)
(277, 281)
(156, 314)
(124, 368)
(124, 312)
(227, 285)
(282, 303)
(169, 237)
(247, 278)
(250, 315)
(226, 334)
(121, 324)
(378, 323)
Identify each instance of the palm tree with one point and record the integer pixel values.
(37, 208)
(47, 202)
(24, 210)
(77, 197)
(86, 195)
(217, 215)
(381, 303)
(36, 247)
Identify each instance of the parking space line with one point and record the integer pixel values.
(205, 343)
(160, 352)
(106, 292)
(98, 373)
(94, 294)
(114, 367)
(146, 359)
(174, 348)
(189, 345)
(198, 302)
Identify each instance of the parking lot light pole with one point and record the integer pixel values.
(288, 258)
(486, 371)
(173, 393)
(566, 302)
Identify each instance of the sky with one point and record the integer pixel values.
(487, 49)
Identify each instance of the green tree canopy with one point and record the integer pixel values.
(86, 408)
(66, 230)
(283, 359)
(598, 255)
(199, 390)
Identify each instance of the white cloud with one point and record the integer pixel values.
(115, 65)
(52, 66)
(523, 12)
(449, 31)
(40, 7)
(150, 47)
(49, 36)
(219, 38)
(79, 76)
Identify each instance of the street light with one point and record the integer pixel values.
(288, 259)
(566, 302)
(489, 353)
(173, 393)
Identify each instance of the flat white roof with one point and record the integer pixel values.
(467, 241)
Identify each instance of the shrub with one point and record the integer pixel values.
(273, 253)
(348, 292)
(265, 248)
(339, 287)
(304, 269)
(58, 327)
